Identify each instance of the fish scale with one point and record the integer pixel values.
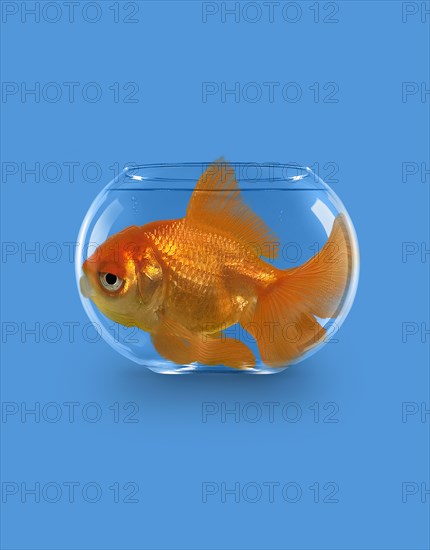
(209, 255)
(197, 272)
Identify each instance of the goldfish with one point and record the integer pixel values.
(186, 280)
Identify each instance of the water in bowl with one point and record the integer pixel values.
(293, 201)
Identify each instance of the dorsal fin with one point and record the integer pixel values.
(217, 203)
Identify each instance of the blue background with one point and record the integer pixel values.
(170, 452)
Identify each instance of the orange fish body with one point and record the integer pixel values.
(184, 281)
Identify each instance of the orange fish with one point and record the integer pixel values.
(186, 280)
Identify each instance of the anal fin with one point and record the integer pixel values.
(179, 345)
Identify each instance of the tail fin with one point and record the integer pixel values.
(283, 321)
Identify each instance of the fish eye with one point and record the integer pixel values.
(110, 281)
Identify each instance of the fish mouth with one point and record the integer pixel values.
(85, 287)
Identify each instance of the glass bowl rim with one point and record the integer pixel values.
(293, 175)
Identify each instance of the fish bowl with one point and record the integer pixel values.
(217, 267)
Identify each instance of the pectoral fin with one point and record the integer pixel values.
(149, 278)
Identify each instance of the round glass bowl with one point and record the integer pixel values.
(295, 204)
